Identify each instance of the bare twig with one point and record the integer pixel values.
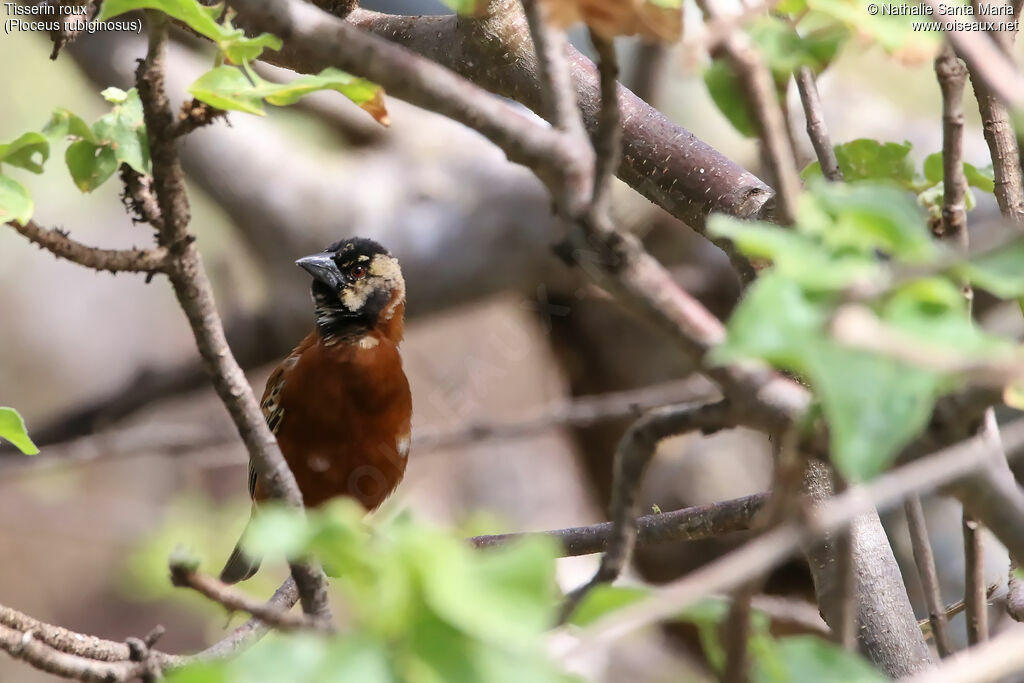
(953, 609)
(646, 76)
(1001, 140)
(689, 524)
(194, 114)
(195, 295)
(984, 57)
(952, 76)
(774, 546)
(925, 561)
(736, 634)
(185, 576)
(58, 243)
(59, 651)
(632, 455)
(991, 661)
(583, 411)
(558, 95)
(608, 135)
(767, 113)
(421, 82)
(817, 130)
(974, 577)
(24, 646)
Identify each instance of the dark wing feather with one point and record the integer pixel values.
(273, 413)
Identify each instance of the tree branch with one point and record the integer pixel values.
(58, 243)
(183, 575)
(924, 558)
(773, 547)
(660, 160)
(952, 76)
(688, 524)
(767, 112)
(195, 295)
(985, 59)
(817, 129)
(1001, 140)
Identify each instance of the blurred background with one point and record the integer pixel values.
(138, 455)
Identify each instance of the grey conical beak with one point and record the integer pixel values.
(322, 268)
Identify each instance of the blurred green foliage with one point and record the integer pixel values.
(853, 237)
(12, 428)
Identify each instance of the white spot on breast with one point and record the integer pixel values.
(368, 341)
(318, 463)
(402, 445)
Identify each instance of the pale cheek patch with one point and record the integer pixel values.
(387, 268)
(368, 342)
(355, 296)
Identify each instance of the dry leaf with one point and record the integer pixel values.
(375, 108)
(610, 18)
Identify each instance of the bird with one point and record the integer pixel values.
(339, 404)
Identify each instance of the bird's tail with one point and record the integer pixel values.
(240, 565)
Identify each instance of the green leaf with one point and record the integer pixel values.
(277, 531)
(466, 7)
(23, 151)
(15, 201)
(604, 599)
(866, 159)
(808, 659)
(226, 87)
(867, 217)
(358, 90)
(114, 95)
(12, 428)
(934, 171)
(775, 322)
(240, 50)
(123, 130)
(203, 20)
(982, 178)
(874, 405)
(895, 34)
(796, 256)
(786, 50)
(1000, 272)
(502, 596)
(729, 97)
(90, 165)
(63, 123)
(935, 310)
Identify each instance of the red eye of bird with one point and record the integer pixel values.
(358, 272)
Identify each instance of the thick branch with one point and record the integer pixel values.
(662, 161)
